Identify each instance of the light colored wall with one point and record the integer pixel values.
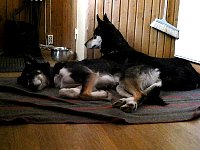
(82, 6)
(187, 46)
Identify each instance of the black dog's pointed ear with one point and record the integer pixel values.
(105, 18)
(99, 20)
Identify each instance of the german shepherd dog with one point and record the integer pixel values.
(88, 79)
(176, 74)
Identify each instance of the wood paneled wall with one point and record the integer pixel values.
(133, 18)
(63, 20)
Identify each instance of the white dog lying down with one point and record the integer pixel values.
(90, 79)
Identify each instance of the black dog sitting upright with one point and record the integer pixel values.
(176, 74)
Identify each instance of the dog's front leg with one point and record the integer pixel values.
(129, 103)
(121, 91)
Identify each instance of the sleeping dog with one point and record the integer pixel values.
(36, 74)
(87, 78)
(91, 79)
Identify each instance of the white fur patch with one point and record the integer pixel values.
(99, 94)
(105, 80)
(37, 81)
(149, 78)
(41, 81)
(63, 79)
(70, 92)
(64, 72)
(151, 87)
(57, 80)
(95, 42)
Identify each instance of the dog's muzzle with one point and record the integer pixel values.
(94, 42)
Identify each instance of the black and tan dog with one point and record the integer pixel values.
(90, 79)
(176, 74)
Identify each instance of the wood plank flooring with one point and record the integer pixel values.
(165, 136)
(168, 136)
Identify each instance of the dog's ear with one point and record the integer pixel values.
(99, 20)
(105, 18)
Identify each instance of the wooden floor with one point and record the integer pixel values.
(171, 136)
(166, 136)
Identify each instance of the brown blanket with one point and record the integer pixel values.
(19, 105)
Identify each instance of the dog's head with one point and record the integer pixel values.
(106, 37)
(35, 76)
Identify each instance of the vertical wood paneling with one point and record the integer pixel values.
(72, 17)
(15, 5)
(133, 18)
(107, 7)
(54, 20)
(9, 9)
(67, 22)
(22, 15)
(48, 18)
(42, 25)
(139, 25)
(123, 17)
(146, 28)
(63, 16)
(115, 13)
(161, 36)
(131, 22)
(153, 32)
(2, 19)
(99, 10)
(91, 25)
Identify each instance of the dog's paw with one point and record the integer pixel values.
(69, 92)
(128, 108)
(119, 103)
(158, 84)
(100, 94)
(126, 104)
(97, 95)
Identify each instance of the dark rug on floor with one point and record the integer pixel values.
(19, 105)
(11, 64)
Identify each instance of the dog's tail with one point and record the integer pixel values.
(153, 98)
